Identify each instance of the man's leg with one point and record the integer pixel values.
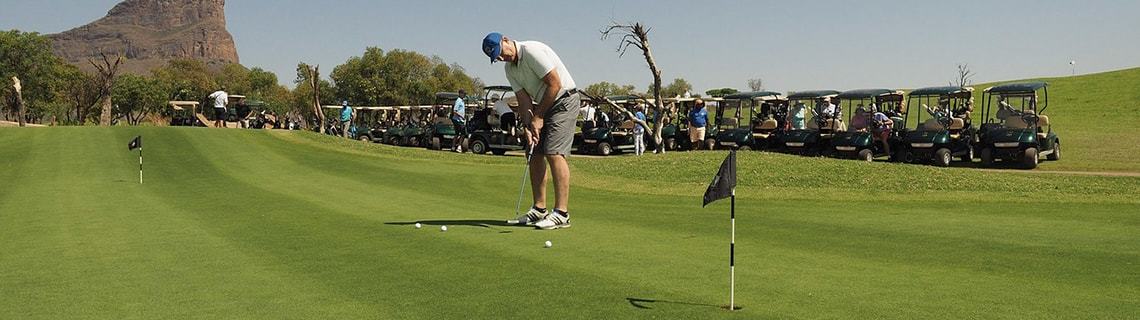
(538, 180)
(560, 170)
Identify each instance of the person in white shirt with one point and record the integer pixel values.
(507, 119)
(221, 98)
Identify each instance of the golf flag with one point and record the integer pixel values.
(135, 144)
(725, 180)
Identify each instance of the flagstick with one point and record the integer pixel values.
(732, 258)
(140, 166)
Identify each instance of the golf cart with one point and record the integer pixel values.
(409, 127)
(485, 130)
(440, 131)
(860, 141)
(752, 124)
(183, 114)
(943, 134)
(1017, 130)
(372, 123)
(614, 135)
(813, 135)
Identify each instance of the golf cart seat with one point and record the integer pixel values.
(768, 125)
(1015, 122)
(831, 124)
(932, 124)
(956, 125)
(1042, 121)
(625, 128)
(729, 122)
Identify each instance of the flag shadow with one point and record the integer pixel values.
(481, 223)
(642, 303)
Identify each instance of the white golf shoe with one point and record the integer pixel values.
(553, 221)
(531, 217)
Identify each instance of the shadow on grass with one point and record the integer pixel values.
(642, 303)
(487, 224)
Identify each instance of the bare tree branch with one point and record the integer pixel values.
(637, 35)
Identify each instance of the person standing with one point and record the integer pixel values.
(459, 120)
(698, 120)
(221, 98)
(507, 119)
(639, 131)
(346, 115)
(536, 73)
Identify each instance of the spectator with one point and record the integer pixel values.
(221, 98)
(698, 120)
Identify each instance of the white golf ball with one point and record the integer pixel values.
(418, 225)
(442, 228)
(549, 244)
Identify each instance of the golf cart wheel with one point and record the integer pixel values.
(478, 146)
(1029, 159)
(605, 149)
(987, 157)
(710, 144)
(499, 152)
(866, 155)
(969, 156)
(671, 144)
(1056, 155)
(365, 138)
(942, 157)
(436, 143)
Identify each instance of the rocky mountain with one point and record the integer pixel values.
(151, 32)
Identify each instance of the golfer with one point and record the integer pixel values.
(698, 119)
(346, 115)
(537, 74)
(220, 99)
(458, 120)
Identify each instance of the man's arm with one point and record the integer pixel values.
(553, 86)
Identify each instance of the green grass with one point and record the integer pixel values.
(251, 224)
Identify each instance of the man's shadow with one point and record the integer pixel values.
(487, 224)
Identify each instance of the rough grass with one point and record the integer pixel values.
(251, 224)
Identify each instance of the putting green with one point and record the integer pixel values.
(244, 224)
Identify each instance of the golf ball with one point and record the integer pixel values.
(549, 244)
(418, 225)
(442, 228)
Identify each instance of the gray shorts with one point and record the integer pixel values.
(557, 134)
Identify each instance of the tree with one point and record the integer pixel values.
(19, 98)
(602, 89)
(756, 84)
(186, 80)
(676, 88)
(137, 97)
(79, 92)
(107, 72)
(637, 35)
(964, 76)
(309, 93)
(398, 77)
(717, 93)
(28, 55)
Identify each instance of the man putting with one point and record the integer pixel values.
(535, 71)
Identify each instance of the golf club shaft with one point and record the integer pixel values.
(522, 184)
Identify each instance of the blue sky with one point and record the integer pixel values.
(792, 45)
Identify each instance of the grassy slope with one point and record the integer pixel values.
(242, 224)
(1096, 117)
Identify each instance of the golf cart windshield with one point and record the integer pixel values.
(861, 106)
(810, 109)
(747, 109)
(942, 108)
(1016, 105)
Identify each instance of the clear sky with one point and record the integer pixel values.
(792, 45)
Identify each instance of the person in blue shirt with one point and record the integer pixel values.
(698, 120)
(346, 116)
(458, 118)
(639, 130)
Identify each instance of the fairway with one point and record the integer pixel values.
(257, 224)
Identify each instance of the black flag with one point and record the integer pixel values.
(725, 180)
(135, 144)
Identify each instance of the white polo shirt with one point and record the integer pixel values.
(536, 59)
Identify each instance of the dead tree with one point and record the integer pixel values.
(637, 35)
(315, 82)
(20, 108)
(964, 75)
(107, 71)
(756, 84)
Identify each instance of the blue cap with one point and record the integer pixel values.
(493, 45)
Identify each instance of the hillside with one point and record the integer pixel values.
(257, 224)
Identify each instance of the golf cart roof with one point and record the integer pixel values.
(804, 95)
(1021, 87)
(940, 91)
(179, 105)
(866, 93)
(764, 95)
(375, 108)
(623, 97)
(499, 88)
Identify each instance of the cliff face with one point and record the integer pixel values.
(151, 32)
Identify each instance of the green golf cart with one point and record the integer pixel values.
(486, 129)
(1015, 129)
(440, 132)
(371, 123)
(810, 131)
(614, 132)
(747, 121)
(862, 140)
(943, 132)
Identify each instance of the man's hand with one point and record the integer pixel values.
(534, 130)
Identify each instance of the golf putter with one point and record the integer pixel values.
(522, 184)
